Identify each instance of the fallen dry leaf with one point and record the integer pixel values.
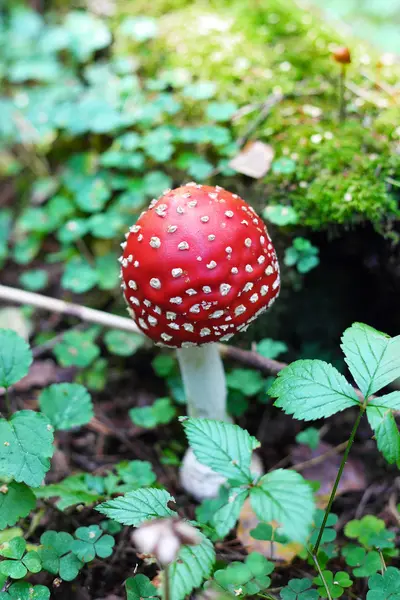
(325, 471)
(254, 160)
(278, 552)
(41, 374)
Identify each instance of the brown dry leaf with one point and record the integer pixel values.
(254, 160)
(41, 374)
(325, 471)
(248, 521)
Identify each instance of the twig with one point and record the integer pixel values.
(319, 459)
(67, 308)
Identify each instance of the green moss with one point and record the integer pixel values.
(254, 49)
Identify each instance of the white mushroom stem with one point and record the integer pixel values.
(205, 389)
(204, 381)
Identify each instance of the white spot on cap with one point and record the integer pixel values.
(227, 337)
(155, 283)
(229, 214)
(174, 326)
(276, 283)
(192, 203)
(224, 327)
(147, 303)
(269, 270)
(217, 314)
(239, 310)
(213, 196)
(188, 327)
(188, 344)
(211, 237)
(176, 300)
(135, 228)
(235, 270)
(205, 331)
(199, 258)
(249, 286)
(161, 210)
(123, 245)
(180, 210)
(170, 315)
(224, 288)
(166, 337)
(142, 324)
(261, 259)
(254, 298)
(206, 289)
(155, 242)
(172, 228)
(130, 258)
(204, 219)
(244, 222)
(139, 237)
(264, 290)
(136, 263)
(183, 246)
(157, 309)
(195, 308)
(228, 250)
(248, 268)
(191, 292)
(262, 240)
(177, 272)
(211, 265)
(132, 284)
(247, 242)
(152, 321)
(134, 300)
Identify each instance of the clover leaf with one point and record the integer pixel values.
(91, 542)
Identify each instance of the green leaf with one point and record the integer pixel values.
(71, 490)
(283, 166)
(139, 28)
(160, 412)
(271, 348)
(226, 517)
(299, 589)
(250, 577)
(372, 357)
(70, 565)
(136, 473)
(26, 445)
(73, 230)
(76, 349)
(15, 548)
(163, 364)
(87, 34)
(365, 529)
(91, 542)
(284, 496)
(203, 90)
(386, 586)
(311, 389)
(365, 563)
(19, 564)
(140, 588)
(309, 437)
(193, 565)
(221, 111)
(23, 590)
(137, 507)
(282, 215)
(16, 501)
(248, 381)
(15, 358)
(107, 270)
(79, 276)
(66, 405)
(123, 343)
(223, 447)
(387, 435)
(34, 280)
(335, 584)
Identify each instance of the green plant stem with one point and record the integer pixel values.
(338, 477)
(7, 402)
(383, 564)
(342, 106)
(320, 573)
(167, 587)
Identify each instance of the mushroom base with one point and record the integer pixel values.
(201, 482)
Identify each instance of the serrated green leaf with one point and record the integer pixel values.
(311, 389)
(140, 588)
(66, 405)
(387, 402)
(71, 490)
(223, 447)
(372, 357)
(16, 501)
(225, 518)
(193, 565)
(137, 507)
(285, 497)
(26, 445)
(15, 358)
(387, 435)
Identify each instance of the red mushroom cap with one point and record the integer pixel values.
(342, 55)
(198, 266)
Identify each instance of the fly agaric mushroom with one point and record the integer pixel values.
(197, 267)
